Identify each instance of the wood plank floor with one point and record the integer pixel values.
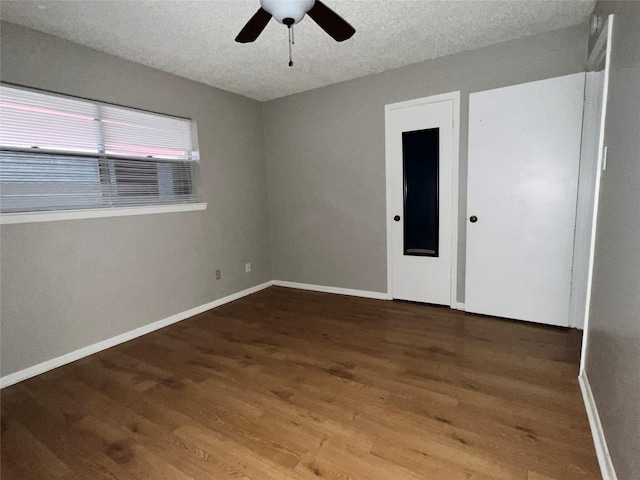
(287, 384)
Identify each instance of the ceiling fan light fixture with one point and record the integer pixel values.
(285, 9)
(290, 12)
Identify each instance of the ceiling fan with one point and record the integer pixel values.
(290, 12)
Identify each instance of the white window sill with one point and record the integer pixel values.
(32, 217)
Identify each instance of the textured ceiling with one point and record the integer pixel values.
(195, 39)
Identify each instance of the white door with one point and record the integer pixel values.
(524, 151)
(588, 184)
(422, 198)
(592, 163)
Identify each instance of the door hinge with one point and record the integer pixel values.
(603, 160)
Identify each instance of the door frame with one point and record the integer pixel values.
(453, 97)
(602, 48)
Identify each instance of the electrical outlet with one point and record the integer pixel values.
(247, 267)
(218, 275)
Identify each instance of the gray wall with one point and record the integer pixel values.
(68, 284)
(613, 355)
(326, 158)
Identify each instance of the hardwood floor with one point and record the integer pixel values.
(287, 384)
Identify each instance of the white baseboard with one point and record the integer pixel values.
(602, 450)
(460, 306)
(125, 337)
(337, 290)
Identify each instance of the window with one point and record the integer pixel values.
(420, 159)
(62, 153)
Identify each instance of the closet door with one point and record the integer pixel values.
(524, 151)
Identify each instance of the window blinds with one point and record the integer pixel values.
(62, 153)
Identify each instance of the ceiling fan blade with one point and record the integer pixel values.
(331, 22)
(254, 27)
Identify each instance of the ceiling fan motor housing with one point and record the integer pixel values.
(283, 10)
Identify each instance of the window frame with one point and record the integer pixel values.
(114, 210)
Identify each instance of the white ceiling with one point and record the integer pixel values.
(195, 39)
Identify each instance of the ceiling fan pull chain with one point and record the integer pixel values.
(290, 42)
(293, 37)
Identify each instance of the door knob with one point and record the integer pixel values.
(473, 219)
(397, 218)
